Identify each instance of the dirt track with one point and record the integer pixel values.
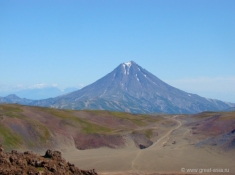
(157, 145)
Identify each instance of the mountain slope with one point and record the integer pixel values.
(131, 88)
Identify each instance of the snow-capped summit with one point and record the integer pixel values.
(128, 63)
(131, 88)
(126, 67)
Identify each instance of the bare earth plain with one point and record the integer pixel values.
(118, 143)
(173, 152)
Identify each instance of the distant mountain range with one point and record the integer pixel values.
(12, 98)
(131, 88)
(40, 93)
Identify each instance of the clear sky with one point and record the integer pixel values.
(190, 44)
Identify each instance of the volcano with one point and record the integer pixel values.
(131, 88)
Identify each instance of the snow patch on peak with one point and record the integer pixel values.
(126, 67)
(128, 64)
(137, 77)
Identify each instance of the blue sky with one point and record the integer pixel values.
(188, 44)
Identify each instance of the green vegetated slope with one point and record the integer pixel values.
(38, 127)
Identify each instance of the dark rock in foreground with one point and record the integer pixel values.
(28, 163)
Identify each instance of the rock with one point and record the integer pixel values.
(142, 146)
(28, 163)
(1, 148)
(55, 155)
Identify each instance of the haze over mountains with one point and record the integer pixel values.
(131, 88)
(37, 93)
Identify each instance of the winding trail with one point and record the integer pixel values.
(158, 144)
